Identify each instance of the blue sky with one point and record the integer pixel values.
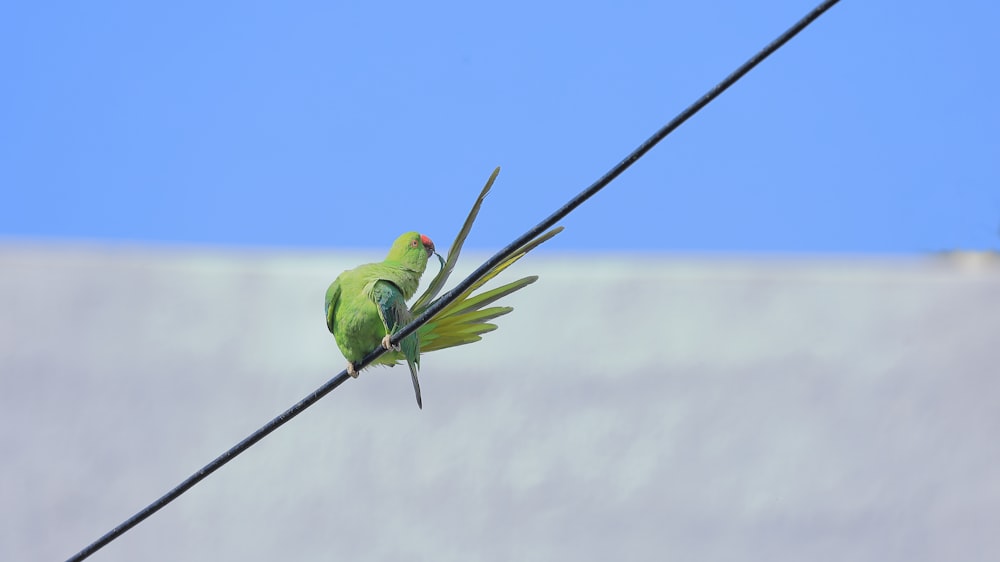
(339, 125)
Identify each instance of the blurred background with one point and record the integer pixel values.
(772, 337)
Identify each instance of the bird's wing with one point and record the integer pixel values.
(391, 305)
(448, 266)
(332, 300)
(392, 310)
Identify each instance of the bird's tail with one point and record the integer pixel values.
(467, 318)
(416, 384)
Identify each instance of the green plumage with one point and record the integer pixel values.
(365, 304)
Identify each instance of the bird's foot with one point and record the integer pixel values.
(351, 370)
(386, 344)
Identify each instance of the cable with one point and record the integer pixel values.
(451, 295)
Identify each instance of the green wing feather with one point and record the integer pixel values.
(392, 310)
(456, 248)
(390, 305)
(466, 319)
(332, 300)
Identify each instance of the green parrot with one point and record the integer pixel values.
(365, 306)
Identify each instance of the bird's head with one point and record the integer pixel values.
(412, 249)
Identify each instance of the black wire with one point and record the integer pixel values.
(598, 185)
(450, 296)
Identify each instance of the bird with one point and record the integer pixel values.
(366, 305)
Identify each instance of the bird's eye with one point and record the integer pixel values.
(413, 243)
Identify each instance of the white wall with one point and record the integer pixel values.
(630, 408)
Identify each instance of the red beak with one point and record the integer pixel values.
(428, 245)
